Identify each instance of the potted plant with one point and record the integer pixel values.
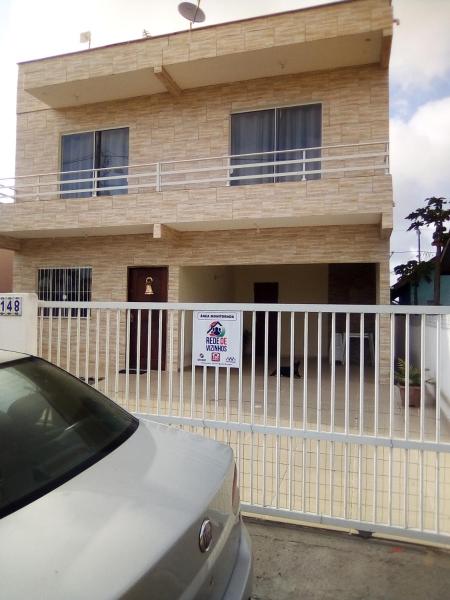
(414, 383)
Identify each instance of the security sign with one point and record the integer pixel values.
(216, 339)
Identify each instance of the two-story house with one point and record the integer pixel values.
(240, 162)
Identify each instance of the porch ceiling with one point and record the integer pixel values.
(116, 86)
(330, 53)
(273, 222)
(216, 225)
(341, 34)
(303, 57)
(89, 231)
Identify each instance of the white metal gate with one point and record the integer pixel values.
(336, 446)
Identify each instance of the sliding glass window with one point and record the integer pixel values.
(277, 130)
(94, 163)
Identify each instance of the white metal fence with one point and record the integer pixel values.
(299, 164)
(327, 440)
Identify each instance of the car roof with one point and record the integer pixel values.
(9, 355)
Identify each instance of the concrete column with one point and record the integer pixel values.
(383, 283)
(383, 297)
(18, 322)
(6, 270)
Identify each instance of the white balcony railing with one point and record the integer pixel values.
(301, 164)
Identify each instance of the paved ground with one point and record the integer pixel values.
(302, 563)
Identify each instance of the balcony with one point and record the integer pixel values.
(301, 164)
(334, 184)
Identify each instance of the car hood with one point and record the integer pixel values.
(106, 528)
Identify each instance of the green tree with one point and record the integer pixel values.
(434, 214)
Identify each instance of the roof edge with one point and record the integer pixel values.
(173, 33)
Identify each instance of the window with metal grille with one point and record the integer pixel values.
(65, 284)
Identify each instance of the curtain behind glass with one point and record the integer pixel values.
(252, 132)
(77, 154)
(299, 127)
(112, 151)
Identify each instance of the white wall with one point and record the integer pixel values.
(19, 333)
(203, 284)
(206, 284)
(296, 284)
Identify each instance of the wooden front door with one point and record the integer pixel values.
(138, 280)
(266, 293)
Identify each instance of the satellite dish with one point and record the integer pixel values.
(191, 12)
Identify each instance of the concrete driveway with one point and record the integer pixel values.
(302, 563)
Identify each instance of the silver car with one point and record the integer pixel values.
(95, 503)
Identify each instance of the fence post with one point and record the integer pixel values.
(18, 322)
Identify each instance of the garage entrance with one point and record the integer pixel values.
(342, 284)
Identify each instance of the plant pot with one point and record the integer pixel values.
(414, 395)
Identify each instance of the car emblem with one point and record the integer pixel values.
(205, 536)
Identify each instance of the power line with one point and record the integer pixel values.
(411, 252)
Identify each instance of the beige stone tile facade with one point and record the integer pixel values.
(356, 199)
(197, 123)
(302, 26)
(110, 256)
(343, 217)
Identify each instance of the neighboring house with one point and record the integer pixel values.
(240, 162)
(403, 291)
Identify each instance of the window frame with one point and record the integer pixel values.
(274, 108)
(62, 133)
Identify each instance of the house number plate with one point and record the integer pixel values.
(10, 306)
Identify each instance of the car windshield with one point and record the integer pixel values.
(52, 427)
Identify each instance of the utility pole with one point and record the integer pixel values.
(418, 245)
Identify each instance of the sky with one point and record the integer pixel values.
(419, 77)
